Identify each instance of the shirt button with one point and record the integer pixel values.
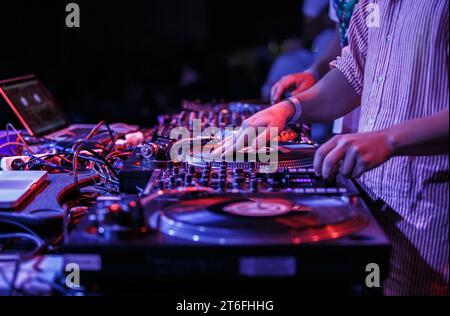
(389, 38)
(380, 79)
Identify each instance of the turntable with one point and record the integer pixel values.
(278, 219)
(289, 155)
(242, 229)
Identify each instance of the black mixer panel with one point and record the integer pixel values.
(238, 180)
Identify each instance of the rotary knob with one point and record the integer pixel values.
(149, 151)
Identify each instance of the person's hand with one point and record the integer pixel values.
(352, 154)
(299, 82)
(273, 119)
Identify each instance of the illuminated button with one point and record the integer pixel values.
(310, 190)
(321, 190)
(23, 101)
(332, 190)
(37, 98)
(115, 208)
(342, 190)
(299, 190)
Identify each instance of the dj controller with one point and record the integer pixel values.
(195, 223)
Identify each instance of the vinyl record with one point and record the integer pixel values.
(282, 219)
(288, 156)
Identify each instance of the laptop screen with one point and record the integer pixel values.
(33, 104)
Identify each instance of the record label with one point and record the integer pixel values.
(259, 208)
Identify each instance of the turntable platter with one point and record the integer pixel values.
(288, 156)
(284, 219)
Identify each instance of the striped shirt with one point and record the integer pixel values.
(400, 69)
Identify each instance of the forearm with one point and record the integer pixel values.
(420, 137)
(331, 98)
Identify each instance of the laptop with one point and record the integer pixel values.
(40, 114)
(16, 186)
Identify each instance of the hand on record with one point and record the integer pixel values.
(257, 130)
(352, 154)
(299, 82)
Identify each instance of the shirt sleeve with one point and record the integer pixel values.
(353, 57)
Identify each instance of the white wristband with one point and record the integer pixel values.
(298, 110)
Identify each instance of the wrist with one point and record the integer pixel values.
(392, 142)
(286, 109)
(297, 110)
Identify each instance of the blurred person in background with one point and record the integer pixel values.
(318, 31)
(340, 12)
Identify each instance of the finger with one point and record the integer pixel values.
(237, 145)
(298, 90)
(276, 89)
(244, 125)
(218, 146)
(348, 164)
(304, 85)
(321, 153)
(359, 169)
(273, 93)
(281, 88)
(264, 137)
(225, 144)
(332, 161)
(276, 96)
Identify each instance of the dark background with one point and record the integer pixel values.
(126, 61)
